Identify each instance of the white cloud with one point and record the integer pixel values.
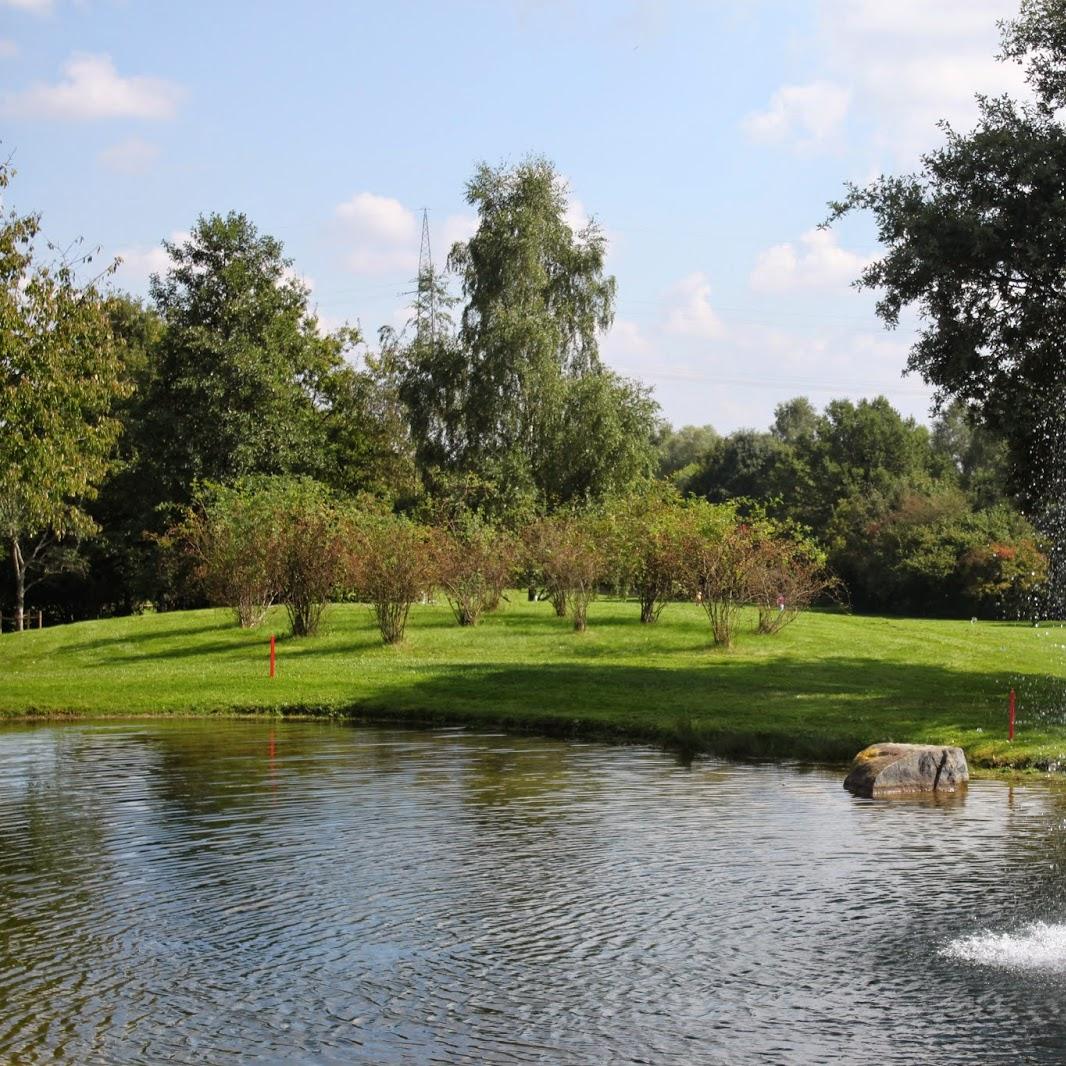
(893, 70)
(456, 227)
(378, 218)
(384, 235)
(577, 218)
(36, 7)
(8, 48)
(131, 156)
(817, 262)
(803, 115)
(93, 89)
(140, 263)
(688, 311)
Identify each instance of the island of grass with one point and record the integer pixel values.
(820, 690)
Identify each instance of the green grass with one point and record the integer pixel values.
(822, 689)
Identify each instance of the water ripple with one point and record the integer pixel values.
(239, 892)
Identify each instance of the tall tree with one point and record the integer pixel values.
(976, 241)
(59, 379)
(536, 295)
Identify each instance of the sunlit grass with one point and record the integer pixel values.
(822, 689)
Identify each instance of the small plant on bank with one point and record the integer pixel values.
(228, 532)
(571, 555)
(717, 556)
(646, 546)
(474, 565)
(265, 540)
(391, 563)
(787, 575)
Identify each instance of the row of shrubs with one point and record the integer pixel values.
(266, 541)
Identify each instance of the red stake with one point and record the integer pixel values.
(1010, 732)
(272, 659)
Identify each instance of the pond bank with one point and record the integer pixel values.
(818, 692)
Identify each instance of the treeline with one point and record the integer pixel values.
(279, 540)
(489, 429)
(913, 520)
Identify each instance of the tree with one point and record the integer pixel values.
(60, 377)
(247, 384)
(976, 240)
(681, 448)
(536, 295)
(600, 441)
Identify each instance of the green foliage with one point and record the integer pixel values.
(60, 379)
(474, 564)
(264, 540)
(600, 442)
(647, 541)
(245, 382)
(391, 564)
(975, 242)
(681, 448)
(929, 551)
(570, 551)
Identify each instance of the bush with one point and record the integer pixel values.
(569, 551)
(264, 540)
(473, 568)
(646, 544)
(391, 562)
(786, 577)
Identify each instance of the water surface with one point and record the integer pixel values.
(207, 891)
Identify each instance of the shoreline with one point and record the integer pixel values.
(734, 750)
(816, 694)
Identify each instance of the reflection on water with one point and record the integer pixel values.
(207, 892)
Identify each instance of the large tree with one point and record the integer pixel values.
(976, 241)
(247, 383)
(536, 296)
(59, 379)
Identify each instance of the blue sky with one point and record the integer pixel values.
(706, 138)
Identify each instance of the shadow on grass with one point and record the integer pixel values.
(146, 636)
(809, 711)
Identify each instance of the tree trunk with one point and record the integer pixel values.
(20, 584)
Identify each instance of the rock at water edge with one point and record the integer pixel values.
(902, 769)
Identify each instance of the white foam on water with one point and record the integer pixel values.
(1039, 946)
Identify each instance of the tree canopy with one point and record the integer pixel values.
(976, 240)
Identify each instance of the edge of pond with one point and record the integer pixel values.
(682, 737)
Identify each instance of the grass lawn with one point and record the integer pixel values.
(822, 689)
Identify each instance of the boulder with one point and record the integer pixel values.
(883, 770)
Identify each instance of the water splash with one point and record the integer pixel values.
(1039, 946)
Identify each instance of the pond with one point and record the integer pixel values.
(215, 891)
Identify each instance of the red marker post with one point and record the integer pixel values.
(1010, 730)
(273, 659)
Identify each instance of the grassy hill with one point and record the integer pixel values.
(821, 690)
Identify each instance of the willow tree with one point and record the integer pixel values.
(536, 295)
(60, 374)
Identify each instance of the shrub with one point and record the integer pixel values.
(787, 575)
(265, 540)
(391, 563)
(715, 564)
(646, 543)
(473, 568)
(569, 551)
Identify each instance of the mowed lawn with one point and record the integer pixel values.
(822, 689)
